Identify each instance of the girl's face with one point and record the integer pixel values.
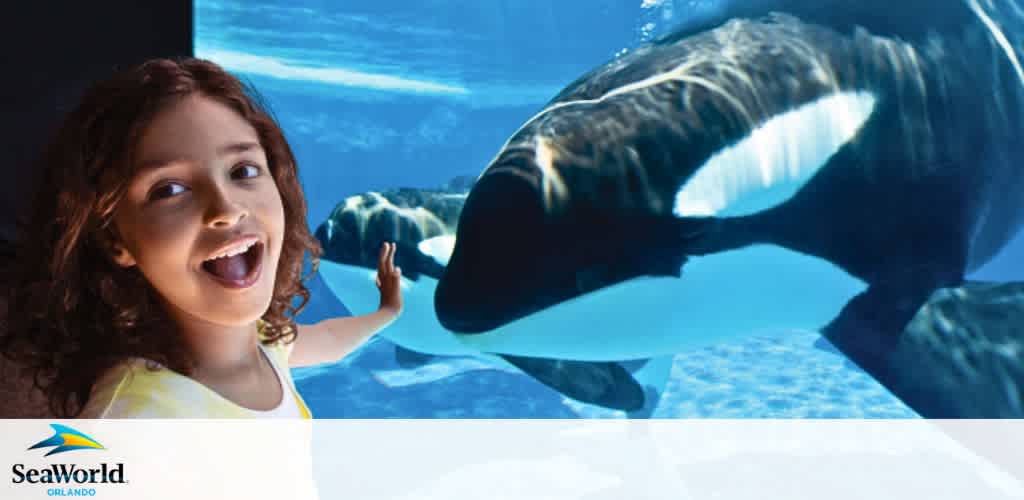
(202, 218)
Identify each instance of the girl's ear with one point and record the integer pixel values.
(121, 256)
(115, 249)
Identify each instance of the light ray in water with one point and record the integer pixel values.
(1000, 37)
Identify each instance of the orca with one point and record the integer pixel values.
(421, 223)
(776, 165)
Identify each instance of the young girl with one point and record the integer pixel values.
(161, 271)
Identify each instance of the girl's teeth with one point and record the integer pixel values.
(232, 253)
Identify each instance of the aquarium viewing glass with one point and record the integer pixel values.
(389, 100)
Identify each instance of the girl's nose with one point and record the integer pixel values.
(222, 210)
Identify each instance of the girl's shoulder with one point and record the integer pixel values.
(139, 388)
(135, 388)
(143, 389)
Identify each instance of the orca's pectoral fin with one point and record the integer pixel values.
(408, 358)
(605, 384)
(634, 365)
(653, 374)
(651, 399)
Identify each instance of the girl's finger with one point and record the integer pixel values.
(383, 257)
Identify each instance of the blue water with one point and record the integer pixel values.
(777, 376)
(381, 94)
(385, 93)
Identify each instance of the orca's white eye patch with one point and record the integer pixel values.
(776, 159)
(438, 248)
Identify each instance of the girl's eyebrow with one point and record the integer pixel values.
(229, 149)
(238, 147)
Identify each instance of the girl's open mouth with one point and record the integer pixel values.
(237, 271)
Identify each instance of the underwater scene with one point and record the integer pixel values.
(655, 208)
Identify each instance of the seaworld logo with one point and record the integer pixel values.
(68, 439)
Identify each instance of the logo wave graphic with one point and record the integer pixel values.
(67, 439)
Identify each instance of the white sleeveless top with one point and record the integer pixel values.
(289, 406)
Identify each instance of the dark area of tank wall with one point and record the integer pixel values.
(52, 51)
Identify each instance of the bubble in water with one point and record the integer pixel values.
(646, 30)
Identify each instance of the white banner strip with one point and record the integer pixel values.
(512, 459)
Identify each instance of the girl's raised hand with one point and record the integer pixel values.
(389, 279)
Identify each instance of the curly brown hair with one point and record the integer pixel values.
(73, 313)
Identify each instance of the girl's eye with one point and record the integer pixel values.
(245, 171)
(166, 190)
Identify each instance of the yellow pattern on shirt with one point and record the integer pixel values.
(132, 390)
